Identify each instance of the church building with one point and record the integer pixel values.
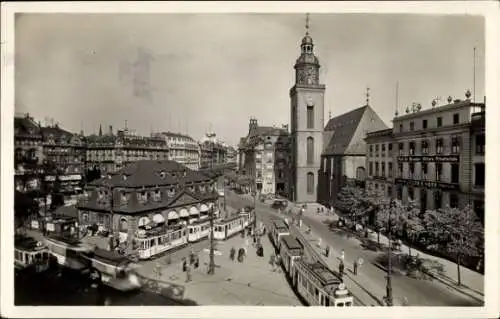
(323, 158)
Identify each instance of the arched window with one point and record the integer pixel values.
(310, 183)
(310, 116)
(310, 150)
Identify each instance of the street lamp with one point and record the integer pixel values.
(389, 299)
(211, 264)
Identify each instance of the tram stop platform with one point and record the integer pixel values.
(252, 282)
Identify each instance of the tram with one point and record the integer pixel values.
(313, 281)
(158, 240)
(278, 228)
(67, 251)
(290, 251)
(198, 230)
(228, 227)
(319, 286)
(112, 270)
(30, 254)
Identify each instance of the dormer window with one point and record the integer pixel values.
(100, 195)
(202, 188)
(191, 189)
(162, 174)
(156, 195)
(171, 192)
(124, 177)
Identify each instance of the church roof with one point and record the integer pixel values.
(343, 127)
(344, 133)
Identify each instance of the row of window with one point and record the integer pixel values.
(479, 172)
(455, 143)
(439, 123)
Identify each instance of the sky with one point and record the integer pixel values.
(193, 73)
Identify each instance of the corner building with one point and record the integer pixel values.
(437, 154)
(307, 120)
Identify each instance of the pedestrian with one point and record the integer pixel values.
(355, 267)
(197, 262)
(319, 242)
(300, 222)
(341, 269)
(271, 261)
(342, 255)
(157, 270)
(232, 253)
(188, 273)
(184, 264)
(327, 251)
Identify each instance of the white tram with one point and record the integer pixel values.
(228, 227)
(29, 253)
(156, 241)
(290, 251)
(112, 270)
(198, 230)
(278, 229)
(319, 286)
(67, 251)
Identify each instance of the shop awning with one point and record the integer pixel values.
(158, 218)
(193, 211)
(183, 213)
(173, 215)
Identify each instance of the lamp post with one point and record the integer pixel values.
(389, 299)
(211, 264)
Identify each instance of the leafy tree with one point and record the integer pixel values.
(413, 225)
(459, 232)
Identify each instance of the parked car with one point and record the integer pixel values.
(279, 203)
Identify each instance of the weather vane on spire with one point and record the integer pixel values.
(307, 23)
(367, 96)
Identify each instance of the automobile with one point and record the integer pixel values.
(279, 203)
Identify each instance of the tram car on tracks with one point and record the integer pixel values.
(228, 227)
(198, 230)
(30, 254)
(290, 251)
(159, 240)
(319, 286)
(68, 251)
(112, 270)
(278, 229)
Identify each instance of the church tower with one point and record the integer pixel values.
(307, 116)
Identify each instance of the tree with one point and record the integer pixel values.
(458, 230)
(413, 225)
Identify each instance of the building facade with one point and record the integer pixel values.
(28, 155)
(438, 156)
(343, 160)
(111, 152)
(379, 161)
(147, 193)
(182, 148)
(264, 154)
(307, 120)
(46, 154)
(213, 151)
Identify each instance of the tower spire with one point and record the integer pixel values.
(100, 130)
(307, 23)
(367, 96)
